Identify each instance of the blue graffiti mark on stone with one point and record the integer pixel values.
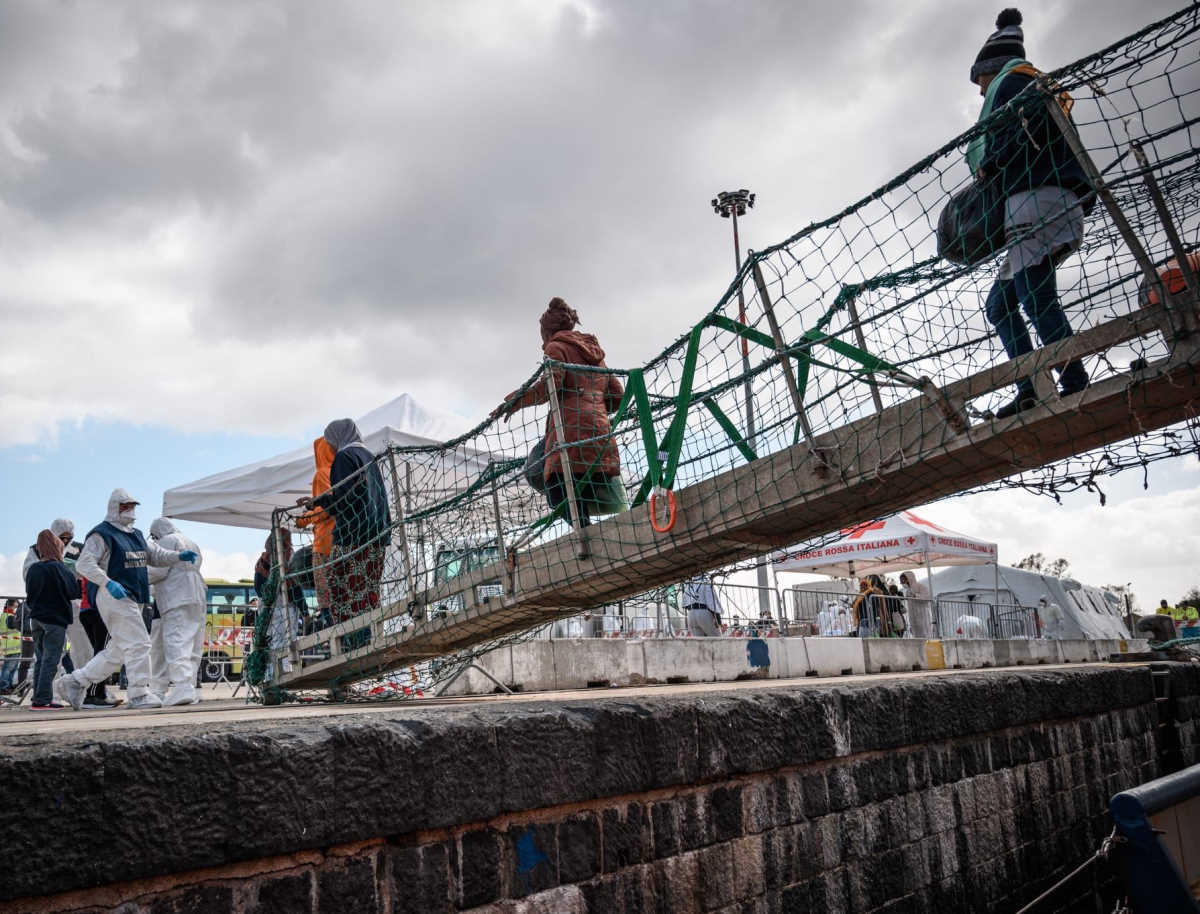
(528, 853)
(757, 654)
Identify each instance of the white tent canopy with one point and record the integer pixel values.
(246, 496)
(896, 543)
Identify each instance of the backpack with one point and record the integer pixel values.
(970, 228)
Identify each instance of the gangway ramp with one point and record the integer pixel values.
(912, 460)
(848, 372)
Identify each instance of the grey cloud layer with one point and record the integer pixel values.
(422, 177)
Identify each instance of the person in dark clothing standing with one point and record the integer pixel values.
(50, 587)
(358, 502)
(1042, 190)
(19, 621)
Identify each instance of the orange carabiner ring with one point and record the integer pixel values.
(671, 510)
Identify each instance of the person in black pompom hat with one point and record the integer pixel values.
(1005, 44)
(1041, 189)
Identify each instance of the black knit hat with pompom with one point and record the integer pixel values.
(1005, 44)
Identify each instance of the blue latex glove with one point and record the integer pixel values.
(188, 556)
(117, 591)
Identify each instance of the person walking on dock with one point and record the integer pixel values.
(51, 589)
(1041, 188)
(115, 557)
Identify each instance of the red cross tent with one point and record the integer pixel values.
(896, 543)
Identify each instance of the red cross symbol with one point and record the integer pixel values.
(920, 520)
(912, 541)
(855, 533)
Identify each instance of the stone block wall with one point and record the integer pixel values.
(963, 793)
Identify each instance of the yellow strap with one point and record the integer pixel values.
(1063, 98)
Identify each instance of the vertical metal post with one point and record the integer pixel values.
(935, 621)
(503, 553)
(1168, 224)
(748, 387)
(422, 567)
(281, 595)
(564, 459)
(785, 361)
(862, 344)
(401, 509)
(1123, 226)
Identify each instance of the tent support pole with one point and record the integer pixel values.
(934, 616)
(402, 523)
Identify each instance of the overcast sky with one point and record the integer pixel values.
(222, 224)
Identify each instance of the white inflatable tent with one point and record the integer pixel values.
(246, 496)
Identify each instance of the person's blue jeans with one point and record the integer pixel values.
(48, 641)
(8, 672)
(1035, 290)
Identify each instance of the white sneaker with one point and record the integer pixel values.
(69, 689)
(182, 694)
(144, 702)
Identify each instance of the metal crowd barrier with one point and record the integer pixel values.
(798, 612)
(984, 619)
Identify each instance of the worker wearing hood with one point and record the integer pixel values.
(115, 557)
(177, 636)
(358, 502)
(64, 529)
(321, 521)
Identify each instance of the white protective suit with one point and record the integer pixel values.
(177, 636)
(1053, 619)
(919, 606)
(128, 641)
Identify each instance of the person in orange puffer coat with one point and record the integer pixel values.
(322, 523)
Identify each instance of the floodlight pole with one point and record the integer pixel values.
(729, 204)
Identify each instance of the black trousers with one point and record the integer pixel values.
(26, 659)
(556, 494)
(97, 634)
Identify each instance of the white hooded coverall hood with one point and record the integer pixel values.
(114, 516)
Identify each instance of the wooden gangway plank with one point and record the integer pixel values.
(907, 455)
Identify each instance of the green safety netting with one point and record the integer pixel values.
(852, 321)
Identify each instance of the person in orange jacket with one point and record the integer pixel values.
(322, 523)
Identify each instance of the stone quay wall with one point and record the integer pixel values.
(964, 792)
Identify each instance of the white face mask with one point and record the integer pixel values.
(127, 517)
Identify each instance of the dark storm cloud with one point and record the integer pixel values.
(421, 178)
(565, 159)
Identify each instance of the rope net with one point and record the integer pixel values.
(870, 375)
